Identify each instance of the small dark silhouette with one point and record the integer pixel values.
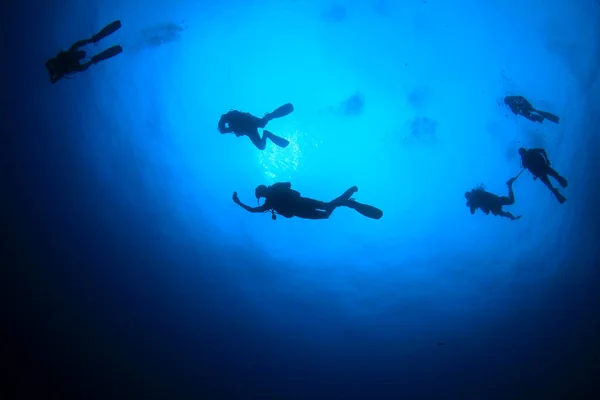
(336, 13)
(353, 105)
(246, 124)
(538, 163)
(281, 199)
(520, 106)
(423, 130)
(158, 35)
(489, 202)
(69, 62)
(418, 98)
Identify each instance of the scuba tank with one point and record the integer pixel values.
(276, 192)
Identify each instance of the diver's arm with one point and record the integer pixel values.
(473, 209)
(543, 151)
(55, 77)
(252, 209)
(237, 201)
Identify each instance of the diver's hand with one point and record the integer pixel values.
(235, 197)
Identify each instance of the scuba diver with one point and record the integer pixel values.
(281, 199)
(246, 124)
(538, 163)
(520, 106)
(69, 62)
(489, 202)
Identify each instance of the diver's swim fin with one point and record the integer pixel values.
(107, 30)
(561, 199)
(365, 209)
(108, 53)
(279, 141)
(282, 111)
(548, 116)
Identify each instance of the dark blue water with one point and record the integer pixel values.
(128, 272)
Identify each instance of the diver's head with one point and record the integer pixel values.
(80, 54)
(522, 151)
(223, 126)
(468, 195)
(260, 191)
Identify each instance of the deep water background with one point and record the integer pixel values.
(128, 272)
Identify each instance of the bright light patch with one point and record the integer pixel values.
(279, 163)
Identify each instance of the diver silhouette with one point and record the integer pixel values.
(281, 199)
(489, 202)
(520, 106)
(538, 163)
(246, 124)
(69, 62)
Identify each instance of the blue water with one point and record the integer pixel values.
(130, 273)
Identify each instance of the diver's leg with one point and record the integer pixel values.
(313, 214)
(308, 208)
(506, 214)
(307, 202)
(282, 111)
(507, 201)
(84, 66)
(513, 217)
(533, 117)
(278, 140)
(107, 30)
(343, 198)
(562, 181)
(262, 122)
(108, 53)
(549, 116)
(80, 43)
(537, 118)
(546, 181)
(259, 142)
(561, 199)
(252, 122)
(364, 209)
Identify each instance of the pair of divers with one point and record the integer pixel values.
(519, 105)
(280, 198)
(535, 161)
(71, 61)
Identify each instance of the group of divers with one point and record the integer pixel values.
(280, 198)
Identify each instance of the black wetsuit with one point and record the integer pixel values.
(520, 106)
(289, 203)
(489, 202)
(537, 162)
(246, 124)
(280, 198)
